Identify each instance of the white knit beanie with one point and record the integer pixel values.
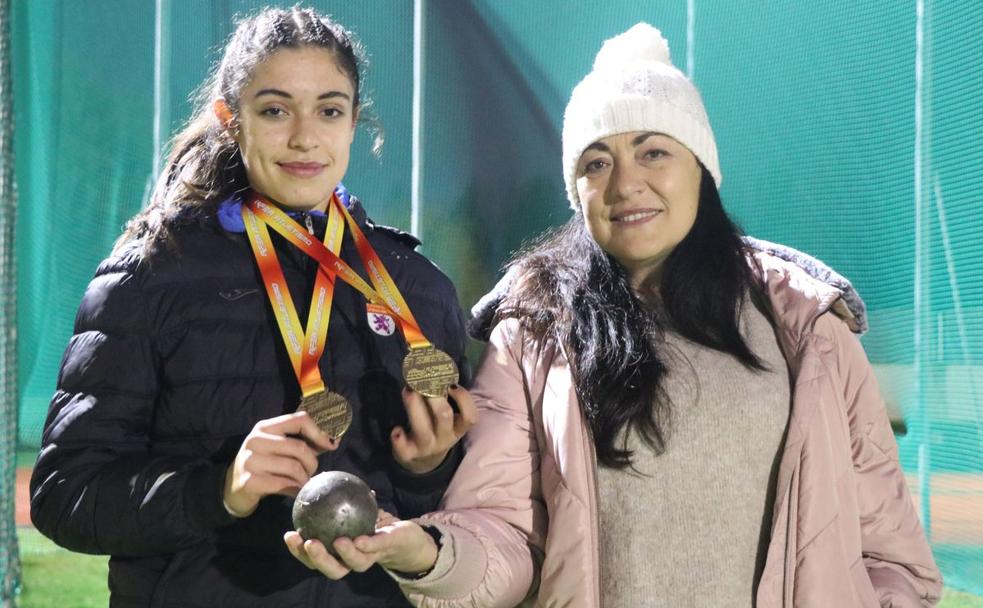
(635, 87)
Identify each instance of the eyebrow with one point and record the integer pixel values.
(637, 141)
(285, 95)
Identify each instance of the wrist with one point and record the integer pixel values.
(235, 512)
(228, 498)
(427, 557)
(432, 550)
(423, 466)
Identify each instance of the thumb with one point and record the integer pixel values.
(384, 519)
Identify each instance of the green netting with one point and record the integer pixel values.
(849, 130)
(9, 559)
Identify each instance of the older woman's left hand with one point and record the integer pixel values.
(397, 545)
(434, 428)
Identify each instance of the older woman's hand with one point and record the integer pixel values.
(402, 546)
(434, 428)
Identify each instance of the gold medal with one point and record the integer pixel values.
(330, 411)
(429, 371)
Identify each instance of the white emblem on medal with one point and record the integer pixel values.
(381, 323)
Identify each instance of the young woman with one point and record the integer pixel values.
(667, 416)
(174, 442)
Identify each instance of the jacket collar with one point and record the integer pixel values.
(838, 291)
(798, 298)
(230, 210)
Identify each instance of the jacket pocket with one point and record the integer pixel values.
(159, 595)
(862, 585)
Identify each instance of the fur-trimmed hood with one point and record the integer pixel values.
(483, 312)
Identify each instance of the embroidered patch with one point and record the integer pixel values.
(380, 321)
(231, 295)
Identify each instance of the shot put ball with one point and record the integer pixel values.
(334, 504)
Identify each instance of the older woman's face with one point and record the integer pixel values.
(295, 127)
(639, 193)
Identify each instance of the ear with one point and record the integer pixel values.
(355, 116)
(224, 115)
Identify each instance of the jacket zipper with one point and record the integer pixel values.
(594, 498)
(309, 223)
(790, 543)
(594, 501)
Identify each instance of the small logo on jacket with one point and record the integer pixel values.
(379, 320)
(231, 295)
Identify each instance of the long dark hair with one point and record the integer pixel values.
(203, 167)
(569, 291)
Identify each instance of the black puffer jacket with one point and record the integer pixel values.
(175, 357)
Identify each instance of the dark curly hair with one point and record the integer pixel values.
(569, 291)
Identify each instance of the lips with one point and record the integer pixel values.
(302, 169)
(636, 216)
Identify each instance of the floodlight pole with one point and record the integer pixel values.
(416, 178)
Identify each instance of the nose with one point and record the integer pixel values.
(302, 135)
(626, 181)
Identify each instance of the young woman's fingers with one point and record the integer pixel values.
(442, 417)
(421, 423)
(282, 445)
(467, 412)
(298, 423)
(318, 438)
(295, 544)
(403, 447)
(287, 424)
(323, 561)
(275, 465)
(266, 484)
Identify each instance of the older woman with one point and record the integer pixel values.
(667, 416)
(175, 442)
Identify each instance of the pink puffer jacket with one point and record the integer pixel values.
(521, 513)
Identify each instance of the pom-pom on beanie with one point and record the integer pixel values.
(634, 87)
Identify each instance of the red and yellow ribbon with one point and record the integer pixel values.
(304, 348)
(383, 282)
(384, 294)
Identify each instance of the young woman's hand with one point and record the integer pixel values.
(277, 457)
(434, 428)
(402, 546)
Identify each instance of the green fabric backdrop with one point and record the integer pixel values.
(814, 106)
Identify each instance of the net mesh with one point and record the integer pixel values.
(9, 558)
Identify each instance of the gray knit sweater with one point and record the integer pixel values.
(692, 529)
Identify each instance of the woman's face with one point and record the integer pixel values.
(639, 193)
(295, 127)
